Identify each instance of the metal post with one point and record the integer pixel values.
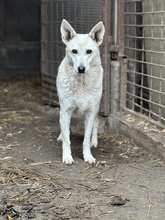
(106, 60)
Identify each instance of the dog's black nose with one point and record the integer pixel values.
(81, 69)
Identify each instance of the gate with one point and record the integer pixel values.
(145, 49)
(82, 15)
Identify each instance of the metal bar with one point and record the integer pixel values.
(122, 58)
(121, 27)
(149, 38)
(149, 76)
(106, 60)
(159, 105)
(130, 1)
(151, 90)
(151, 63)
(115, 21)
(144, 25)
(142, 74)
(117, 46)
(144, 13)
(142, 50)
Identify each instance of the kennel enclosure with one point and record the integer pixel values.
(82, 15)
(133, 54)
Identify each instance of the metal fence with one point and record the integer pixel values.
(82, 15)
(145, 48)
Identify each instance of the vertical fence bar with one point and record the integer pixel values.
(106, 60)
(122, 57)
(121, 27)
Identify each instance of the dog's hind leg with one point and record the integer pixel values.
(65, 118)
(89, 121)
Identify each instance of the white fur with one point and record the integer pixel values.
(77, 90)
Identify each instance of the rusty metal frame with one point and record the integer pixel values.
(112, 51)
(119, 47)
(106, 60)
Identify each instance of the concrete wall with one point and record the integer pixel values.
(19, 37)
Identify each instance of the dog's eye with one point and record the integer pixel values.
(89, 51)
(74, 51)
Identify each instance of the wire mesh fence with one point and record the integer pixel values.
(82, 15)
(145, 48)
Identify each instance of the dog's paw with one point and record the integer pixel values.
(68, 160)
(93, 144)
(89, 159)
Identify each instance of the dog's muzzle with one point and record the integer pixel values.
(81, 69)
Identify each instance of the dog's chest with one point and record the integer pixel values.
(84, 96)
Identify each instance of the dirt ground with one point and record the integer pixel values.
(126, 183)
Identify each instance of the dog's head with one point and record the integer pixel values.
(82, 50)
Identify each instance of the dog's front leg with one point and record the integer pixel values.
(94, 140)
(89, 120)
(65, 118)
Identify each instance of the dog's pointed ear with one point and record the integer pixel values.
(97, 33)
(67, 32)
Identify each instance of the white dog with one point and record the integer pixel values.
(79, 86)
